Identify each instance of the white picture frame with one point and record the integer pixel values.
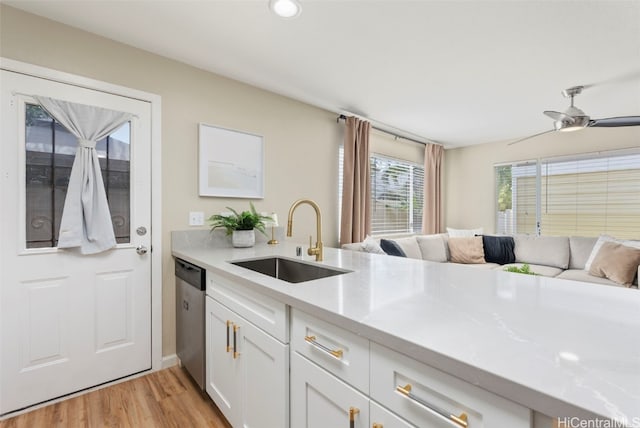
(230, 163)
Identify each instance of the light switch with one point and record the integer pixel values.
(196, 218)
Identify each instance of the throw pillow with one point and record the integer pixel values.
(601, 240)
(410, 247)
(466, 250)
(464, 233)
(433, 248)
(392, 248)
(616, 262)
(498, 249)
(370, 245)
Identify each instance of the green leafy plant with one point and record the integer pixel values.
(525, 268)
(245, 220)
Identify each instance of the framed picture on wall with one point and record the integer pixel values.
(231, 163)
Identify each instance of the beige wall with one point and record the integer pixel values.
(469, 188)
(301, 142)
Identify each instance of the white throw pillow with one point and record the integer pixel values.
(606, 238)
(370, 245)
(410, 247)
(464, 233)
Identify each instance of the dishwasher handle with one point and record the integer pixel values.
(191, 274)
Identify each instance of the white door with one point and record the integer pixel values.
(67, 321)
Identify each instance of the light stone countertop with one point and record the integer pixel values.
(562, 348)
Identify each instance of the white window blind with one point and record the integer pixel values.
(591, 195)
(585, 195)
(397, 194)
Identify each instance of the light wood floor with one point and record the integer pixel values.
(166, 398)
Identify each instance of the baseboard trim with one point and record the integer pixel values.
(169, 361)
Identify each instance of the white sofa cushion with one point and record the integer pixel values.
(432, 247)
(581, 248)
(583, 275)
(464, 233)
(410, 247)
(542, 250)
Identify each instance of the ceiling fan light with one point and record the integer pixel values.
(285, 8)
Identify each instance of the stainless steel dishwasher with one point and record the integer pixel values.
(190, 297)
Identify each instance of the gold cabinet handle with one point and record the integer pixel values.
(456, 421)
(353, 411)
(376, 425)
(228, 325)
(336, 353)
(236, 354)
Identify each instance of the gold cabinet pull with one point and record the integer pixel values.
(353, 411)
(235, 344)
(377, 425)
(457, 421)
(228, 325)
(336, 353)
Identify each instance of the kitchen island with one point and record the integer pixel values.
(560, 348)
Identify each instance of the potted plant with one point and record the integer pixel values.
(240, 225)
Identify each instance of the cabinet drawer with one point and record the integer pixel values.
(436, 397)
(264, 312)
(338, 351)
(382, 418)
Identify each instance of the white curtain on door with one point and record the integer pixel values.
(86, 219)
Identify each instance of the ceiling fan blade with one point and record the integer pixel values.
(556, 115)
(622, 78)
(612, 122)
(530, 137)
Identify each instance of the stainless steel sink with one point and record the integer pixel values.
(288, 270)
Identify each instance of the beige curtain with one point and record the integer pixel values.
(355, 221)
(432, 211)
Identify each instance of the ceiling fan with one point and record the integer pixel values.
(573, 119)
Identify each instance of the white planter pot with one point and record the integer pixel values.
(243, 238)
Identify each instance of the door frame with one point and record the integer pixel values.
(156, 177)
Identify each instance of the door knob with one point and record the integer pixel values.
(141, 250)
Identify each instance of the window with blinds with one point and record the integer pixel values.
(397, 194)
(591, 195)
(516, 198)
(584, 195)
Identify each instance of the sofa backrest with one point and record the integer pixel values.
(581, 248)
(543, 250)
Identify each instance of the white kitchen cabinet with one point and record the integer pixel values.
(319, 399)
(427, 397)
(247, 370)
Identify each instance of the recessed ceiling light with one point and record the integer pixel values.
(285, 8)
(569, 356)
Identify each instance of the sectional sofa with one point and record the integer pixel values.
(602, 260)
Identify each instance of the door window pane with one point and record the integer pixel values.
(50, 151)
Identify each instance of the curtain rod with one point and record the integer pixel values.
(343, 117)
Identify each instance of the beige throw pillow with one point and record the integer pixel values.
(616, 262)
(466, 250)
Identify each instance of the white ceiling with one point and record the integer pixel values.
(455, 72)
